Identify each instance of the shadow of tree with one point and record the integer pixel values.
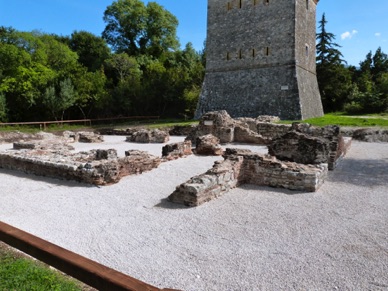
(361, 172)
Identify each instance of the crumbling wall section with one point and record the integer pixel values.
(243, 166)
(98, 167)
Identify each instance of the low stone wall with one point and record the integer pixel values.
(244, 166)
(98, 167)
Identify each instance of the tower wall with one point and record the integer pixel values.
(258, 61)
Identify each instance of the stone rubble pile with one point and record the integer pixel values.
(227, 129)
(208, 145)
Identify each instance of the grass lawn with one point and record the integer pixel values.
(18, 272)
(351, 121)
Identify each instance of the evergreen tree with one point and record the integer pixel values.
(327, 52)
(334, 78)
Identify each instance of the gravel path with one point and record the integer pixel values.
(252, 238)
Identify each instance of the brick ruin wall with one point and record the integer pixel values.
(98, 167)
(242, 166)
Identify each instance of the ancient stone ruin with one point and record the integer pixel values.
(299, 156)
(243, 166)
(208, 145)
(148, 136)
(177, 150)
(98, 167)
(52, 157)
(227, 129)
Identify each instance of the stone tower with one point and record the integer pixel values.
(261, 59)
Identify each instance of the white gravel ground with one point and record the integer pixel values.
(252, 238)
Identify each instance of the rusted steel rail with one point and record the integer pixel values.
(85, 270)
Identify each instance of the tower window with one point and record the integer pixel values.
(307, 50)
(267, 51)
(228, 56)
(266, 2)
(255, 2)
(307, 4)
(240, 5)
(229, 6)
(240, 54)
(253, 53)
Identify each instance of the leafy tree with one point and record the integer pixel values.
(91, 91)
(370, 94)
(124, 66)
(92, 50)
(139, 29)
(127, 76)
(58, 101)
(334, 78)
(3, 108)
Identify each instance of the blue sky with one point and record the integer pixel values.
(360, 26)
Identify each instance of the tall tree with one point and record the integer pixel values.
(92, 50)
(327, 52)
(334, 79)
(58, 100)
(138, 29)
(370, 93)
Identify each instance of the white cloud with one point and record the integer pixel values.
(348, 34)
(377, 34)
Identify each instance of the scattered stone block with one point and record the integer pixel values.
(148, 136)
(89, 137)
(177, 150)
(370, 134)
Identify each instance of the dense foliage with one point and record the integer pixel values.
(138, 68)
(347, 88)
(135, 68)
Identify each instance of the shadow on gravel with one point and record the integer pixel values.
(54, 181)
(272, 189)
(166, 204)
(359, 172)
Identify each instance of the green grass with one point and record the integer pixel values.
(21, 273)
(170, 123)
(351, 121)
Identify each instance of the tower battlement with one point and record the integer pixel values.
(261, 59)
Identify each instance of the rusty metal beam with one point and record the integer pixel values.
(85, 270)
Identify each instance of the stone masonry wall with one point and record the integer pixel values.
(98, 167)
(261, 59)
(244, 166)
